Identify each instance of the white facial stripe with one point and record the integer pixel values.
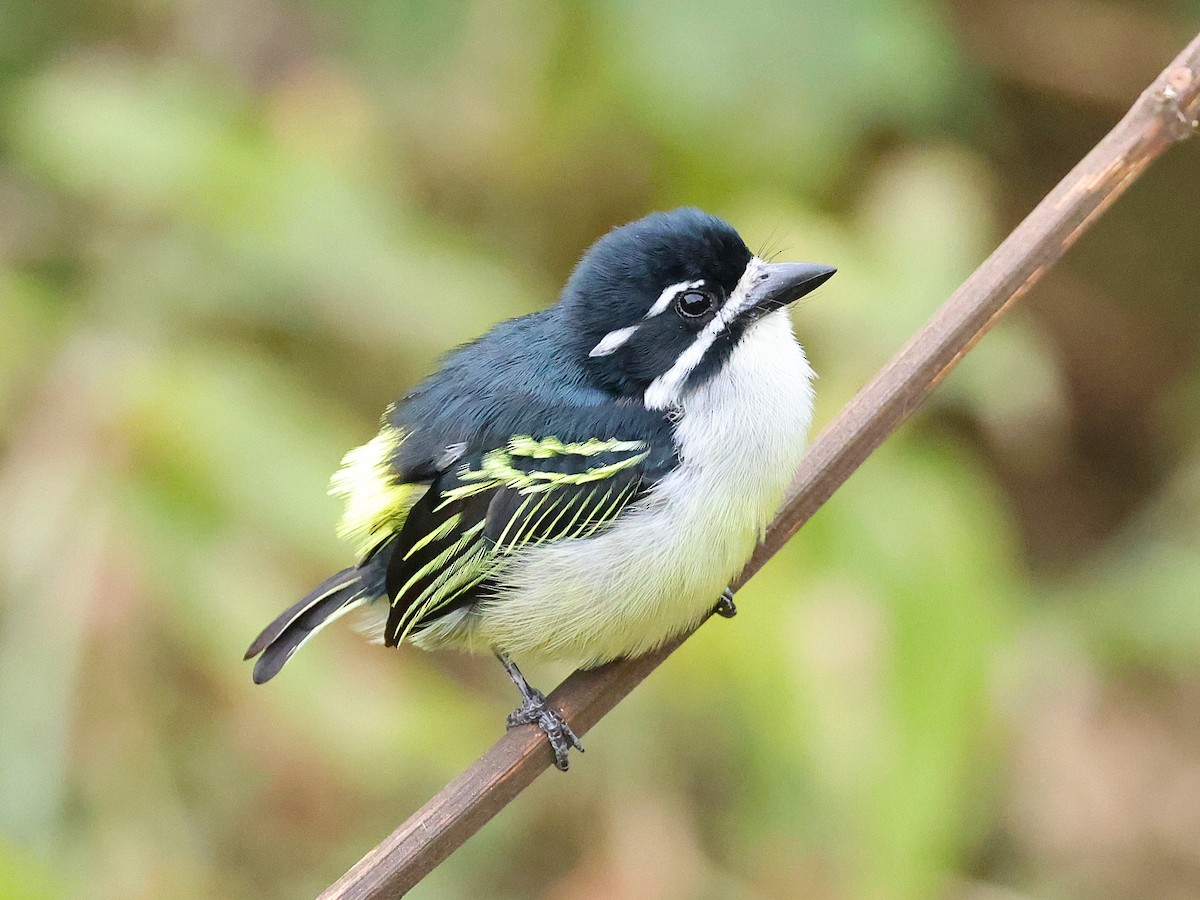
(664, 390)
(665, 298)
(613, 340)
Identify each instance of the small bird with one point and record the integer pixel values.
(582, 483)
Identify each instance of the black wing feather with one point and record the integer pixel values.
(412, 572)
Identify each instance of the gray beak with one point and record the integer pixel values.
(778, 284)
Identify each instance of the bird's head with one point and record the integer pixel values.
(657, 306)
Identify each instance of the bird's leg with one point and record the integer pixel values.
(535, 710)
(725, 607)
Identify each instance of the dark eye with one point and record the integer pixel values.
(694, 303)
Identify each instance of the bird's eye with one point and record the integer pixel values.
(694, 303)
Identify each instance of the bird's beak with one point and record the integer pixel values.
(775, 285)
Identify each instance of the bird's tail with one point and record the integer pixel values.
(328, 601)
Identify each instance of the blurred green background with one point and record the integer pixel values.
(232, 230)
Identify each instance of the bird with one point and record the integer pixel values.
(580, 484)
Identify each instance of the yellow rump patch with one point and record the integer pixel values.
(376, 501)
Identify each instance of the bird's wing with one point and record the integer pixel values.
(496, 501)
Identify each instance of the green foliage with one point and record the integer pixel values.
(231, 233)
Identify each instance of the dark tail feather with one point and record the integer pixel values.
(330, 598)
(289, 615)
(282, 637)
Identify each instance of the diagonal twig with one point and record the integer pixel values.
(1165, 113)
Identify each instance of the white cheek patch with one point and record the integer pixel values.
(665, 298)
(613, 341)
(665, 389)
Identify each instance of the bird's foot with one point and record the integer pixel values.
(536, 711)
(725, 606)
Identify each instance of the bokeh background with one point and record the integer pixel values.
(232, 230)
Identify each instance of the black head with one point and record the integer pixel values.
(668, 297)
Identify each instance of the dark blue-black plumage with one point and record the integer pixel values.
(623, 274)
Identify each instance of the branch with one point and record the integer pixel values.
(1165, 113)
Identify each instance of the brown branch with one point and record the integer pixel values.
(1166, 112)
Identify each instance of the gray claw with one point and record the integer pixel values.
(536, 711)
(725, 606)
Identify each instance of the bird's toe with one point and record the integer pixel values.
(725, 606)
(536, 711)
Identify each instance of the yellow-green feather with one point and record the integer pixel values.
(462, 565)
(523, 445)
(377, 502)
(496, 469)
